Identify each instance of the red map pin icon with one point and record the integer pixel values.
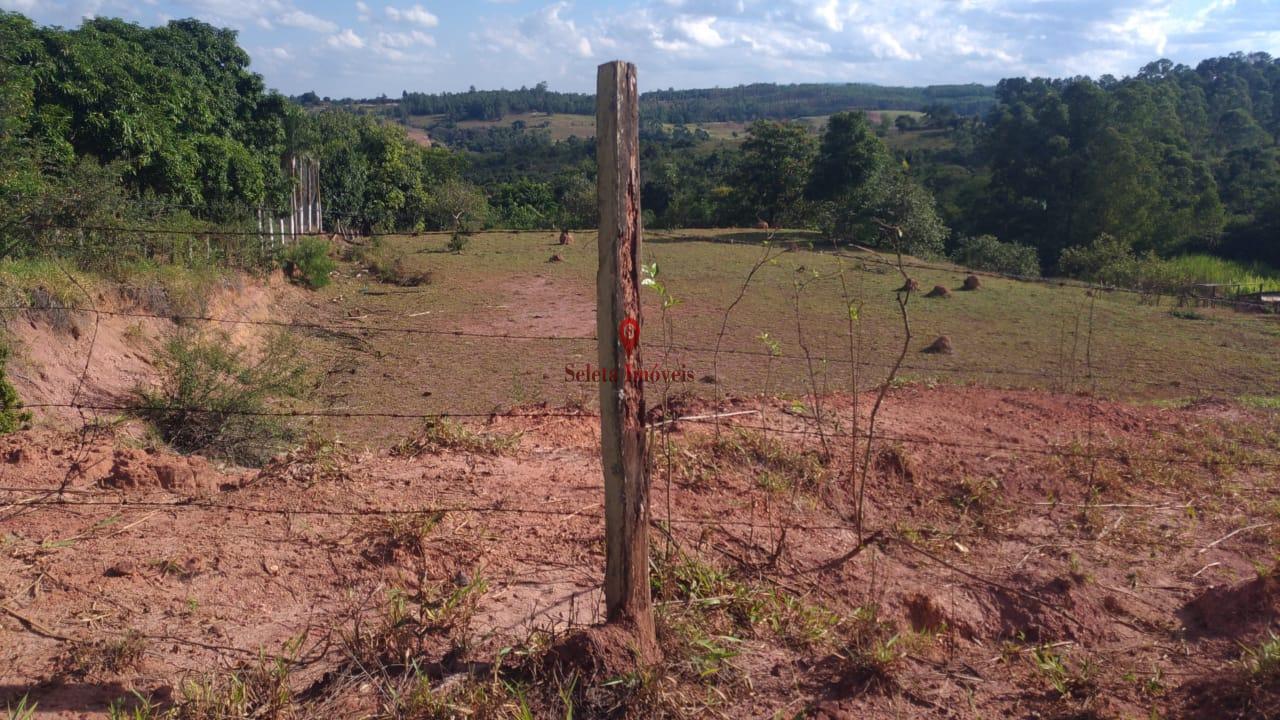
(629, 335)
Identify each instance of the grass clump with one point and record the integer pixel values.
(440, 434)
(458, 242)
(307, 262)
(170, 289)
(390, 535)
(429, 622)
(19, 277)
(213, 399)
(258, 689)
(25, 710)
(776, 464)
(1262, 663)
(709, 602)
(318, 460)
(106, 657)
(1068, 679)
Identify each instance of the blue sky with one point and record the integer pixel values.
(366, 47)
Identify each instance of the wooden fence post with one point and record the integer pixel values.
(626, 486)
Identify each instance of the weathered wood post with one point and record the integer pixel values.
(626, 487)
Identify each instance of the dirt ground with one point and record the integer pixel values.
(1028, 555)
(1024, 553)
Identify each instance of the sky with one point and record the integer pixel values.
(363, 48)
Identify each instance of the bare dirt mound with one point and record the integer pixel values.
(137, 469)
(940, 346)
(1235, 610)
(114, 351)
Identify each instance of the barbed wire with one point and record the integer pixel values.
(1046, 449)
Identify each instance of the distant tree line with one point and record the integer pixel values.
(496, 104)
(738, 104)
(779, 102)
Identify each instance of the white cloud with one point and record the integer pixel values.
(307, 21)
(24, 6)
(280, 53)
(700, 32)
(416, 14)
(405, 39)
(832, 15)
(544, 33)
(884, 44)
(346, 40)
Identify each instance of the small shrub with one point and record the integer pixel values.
(1108, 260)
(212, 399)
(307, 262)
(458, 242)
(389, 535)
(12, 416)
(413, 623)
(985, 252)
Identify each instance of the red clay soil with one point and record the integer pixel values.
(991, 559)
(49, 360)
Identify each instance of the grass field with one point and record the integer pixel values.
(1007, 334)
(1210, 269)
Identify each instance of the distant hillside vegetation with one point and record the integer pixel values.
(738, 104)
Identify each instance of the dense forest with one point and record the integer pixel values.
(742, 103)
(1174, 158)
(114, 124)
(169, 114)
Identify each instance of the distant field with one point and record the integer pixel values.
(562, 126)
(1008, 334)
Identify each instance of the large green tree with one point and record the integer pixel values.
(772, 172)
